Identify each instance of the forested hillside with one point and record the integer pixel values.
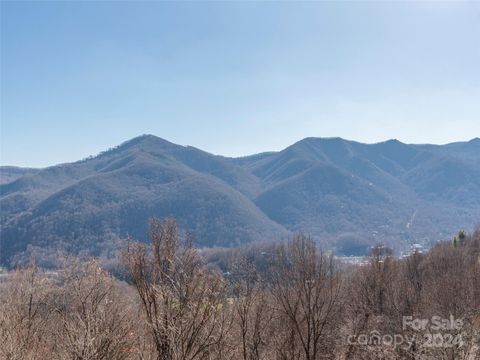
(346, 194)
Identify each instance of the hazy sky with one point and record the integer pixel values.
(234, 78)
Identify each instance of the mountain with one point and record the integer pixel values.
(346, 194)
(11, 173)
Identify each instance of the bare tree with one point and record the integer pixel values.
(183, 303)
(24, 315)
(299, 306)
(306, 287)
(252, 313)
(368, 304)
(94, 317)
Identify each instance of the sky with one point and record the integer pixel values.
(233, 78)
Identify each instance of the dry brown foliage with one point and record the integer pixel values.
(301, 304)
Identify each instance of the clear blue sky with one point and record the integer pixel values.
(234, 78)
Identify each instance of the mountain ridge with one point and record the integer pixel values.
(474, 140)
(340, 191)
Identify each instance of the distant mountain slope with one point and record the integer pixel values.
(466, 150)
(12, 173)
(344, 193)
(90, 204)
(390, 191)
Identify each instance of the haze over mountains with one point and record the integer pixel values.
(347, 195)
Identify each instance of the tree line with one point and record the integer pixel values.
(302, 304)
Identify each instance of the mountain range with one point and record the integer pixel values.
(347, 195)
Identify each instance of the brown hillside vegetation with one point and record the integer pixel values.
(302, 305)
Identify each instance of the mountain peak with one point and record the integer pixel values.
(320, 142)
(146, 141)
(145, 138)
(391, 142)
(322, 139)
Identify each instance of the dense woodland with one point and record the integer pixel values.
(346, 195)
(168, 302)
